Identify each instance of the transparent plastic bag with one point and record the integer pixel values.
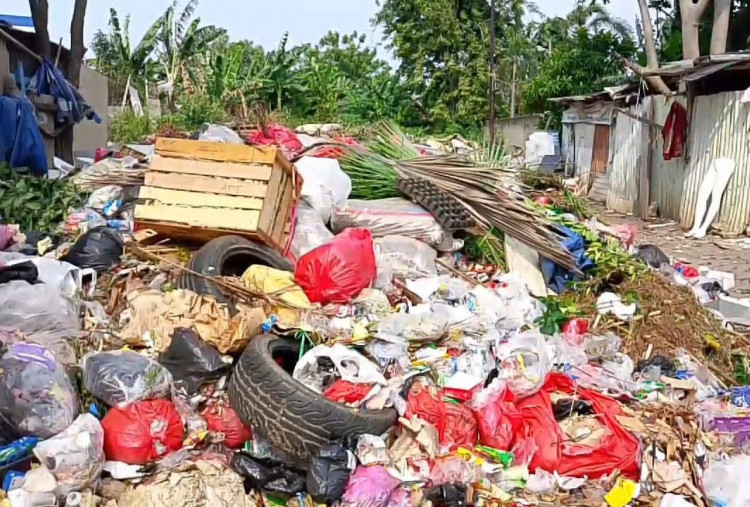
(404, 257)
(350, 364)
(121, 377)
(219, 134)
(423, 327)
(37, 397)
(76, 456)
(724, 481)
(389, 217)
(523, 363)
(309, 231)
(324, 184)
(41, 313)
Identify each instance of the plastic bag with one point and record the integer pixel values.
(99, 249)
(523, 363)
(370, 486)
(42, 314)
(498, 418)
(350, 364)
(121, 377)
(268, 475)
(338, 271)
(102, 196)
(455, 423)
(142, 431)
(422, 327)
(66, 277)
(328, 472)
(278, 135)
(280, 283)
(219, 134)
(653, 255)
(724, 481)
(619, 449)
(324, 184)
(453, 469)
(222, 418)
(37, 397)
(309, 231)
(403, 257)
(193, 361)
(390, 217)
(76, 456)
(347, 393)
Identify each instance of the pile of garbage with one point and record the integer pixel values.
(378, 364)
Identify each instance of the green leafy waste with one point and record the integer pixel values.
(35, 204)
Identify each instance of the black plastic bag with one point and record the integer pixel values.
(267, 475)
(99, 249)
(447, 495)
(193, 361)
(329, 471)
(653, 256)
(24, 271)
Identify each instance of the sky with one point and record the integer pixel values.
(263, 22)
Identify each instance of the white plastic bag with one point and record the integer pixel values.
(324, 184)
(309, 231)
(724, 481)
(41, 313)
(66, 277)
(76, 456)
(219, 134)
(389, 217)
(404, 257)
(350, 364)
(523, 363)
(419, 327)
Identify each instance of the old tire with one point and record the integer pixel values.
(295, 419)
(227, 256)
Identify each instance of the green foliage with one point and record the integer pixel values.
(487, 249)
(584, 64)
(36, 204)
(558, 310)
(196, 110)
(127, 127)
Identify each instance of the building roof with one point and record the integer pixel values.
(16, 21)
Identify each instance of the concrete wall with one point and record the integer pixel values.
(89, 135)
(515, 131)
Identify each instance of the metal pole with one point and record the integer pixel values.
(493, 72)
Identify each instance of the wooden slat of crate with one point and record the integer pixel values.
(209, 184)
(283, 216)
(208, 168)
(220, 152)
(197, 235)
(270, 200)
(213, 218)
(166, 196)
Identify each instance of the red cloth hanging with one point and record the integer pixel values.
(675, 132)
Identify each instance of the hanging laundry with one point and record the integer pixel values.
(675, 132)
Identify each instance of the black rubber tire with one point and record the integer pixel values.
(227, 255)
(294, 418)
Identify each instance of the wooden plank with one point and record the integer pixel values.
(600, 150)
(207, 168)
(166, 196)
(225, 218)
(284, 213)
(220, 152)
(196, 235)
(226, 186)
(268, 212)
(283, 184)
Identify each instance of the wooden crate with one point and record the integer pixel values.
(196, 190)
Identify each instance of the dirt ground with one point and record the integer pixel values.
(713, 251)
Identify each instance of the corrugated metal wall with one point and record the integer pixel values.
(719, 129)
(667, 176)
(567, 148)
(628, 144)
(584, 139)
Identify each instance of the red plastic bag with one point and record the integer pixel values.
(222, 418)
(455, 423)
(575, 327)
(338, 271)
(619, 450)
(498, 420)
(142, 431)
(278, 135)
(346, 392)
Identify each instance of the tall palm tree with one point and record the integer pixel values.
(183, 41)
(117, 59)
(595, 17)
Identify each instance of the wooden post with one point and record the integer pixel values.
(646, 166)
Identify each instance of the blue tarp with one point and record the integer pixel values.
(556, 277)
(21, 143)
(72, 107)
(16, 21)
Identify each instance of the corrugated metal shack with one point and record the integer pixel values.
(636, 176)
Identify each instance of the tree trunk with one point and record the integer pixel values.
(691, 11)
(656, 83)
(40, 15)
(77, 50)
(720, 30)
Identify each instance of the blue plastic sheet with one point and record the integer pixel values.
(21, 143)
(72, 108)
(555, 276)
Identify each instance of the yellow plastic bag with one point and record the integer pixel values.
(281, 285)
